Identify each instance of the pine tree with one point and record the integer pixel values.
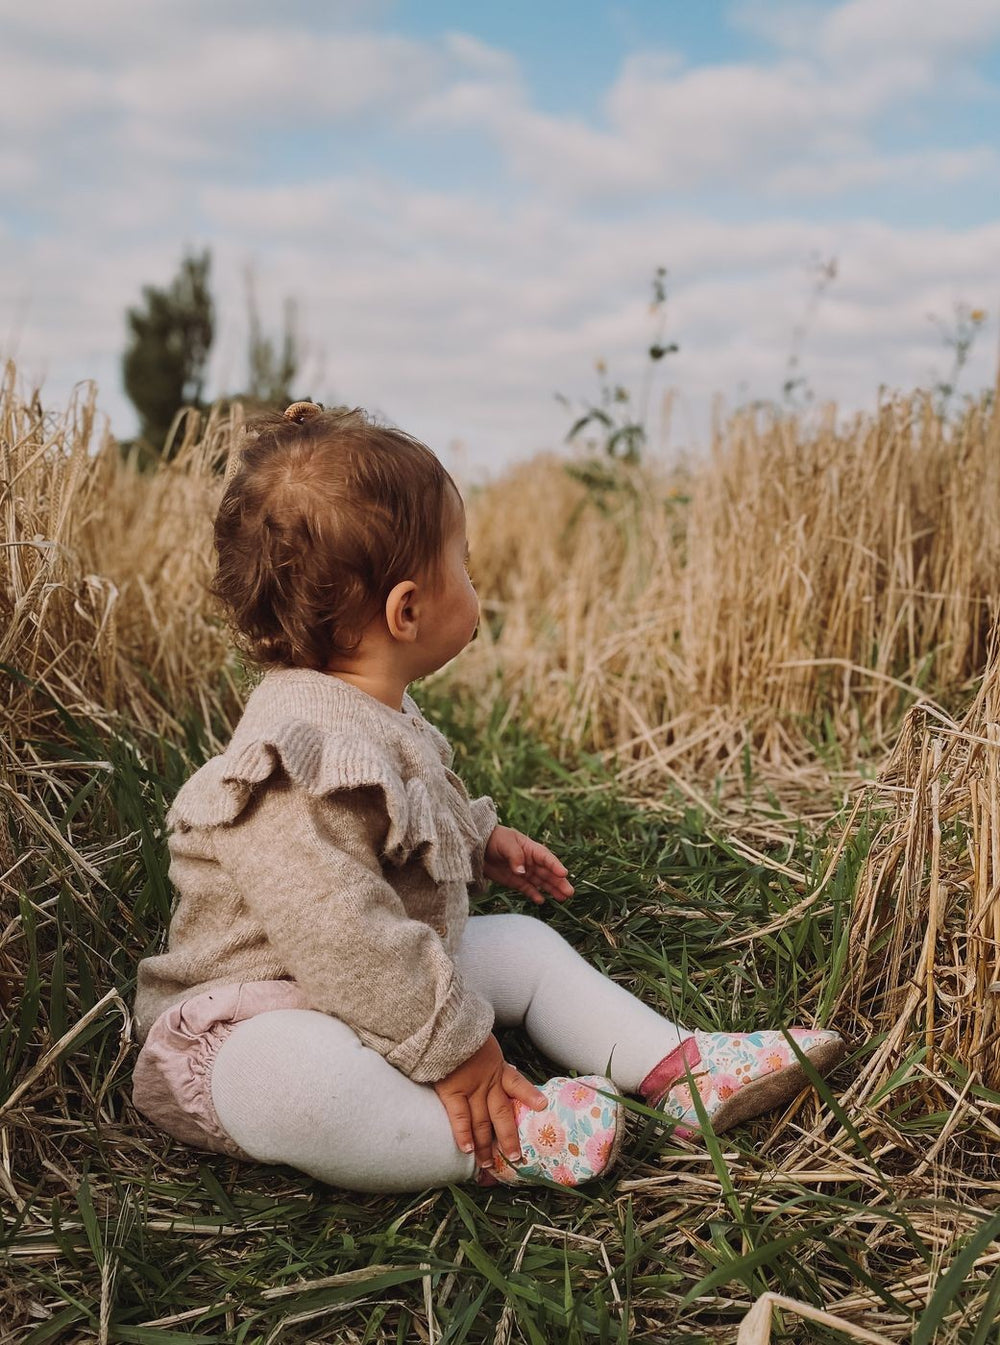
(165, 362)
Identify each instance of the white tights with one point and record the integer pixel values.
(296, 1086)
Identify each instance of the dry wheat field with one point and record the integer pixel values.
(778, 663)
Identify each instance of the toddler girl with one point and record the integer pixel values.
(325, 1000)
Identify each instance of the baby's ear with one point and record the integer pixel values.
(401, 612)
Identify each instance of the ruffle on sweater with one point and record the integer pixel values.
(442, 746)
(429, 815)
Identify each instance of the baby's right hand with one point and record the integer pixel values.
(478, 1097)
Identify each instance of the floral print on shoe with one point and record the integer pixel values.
(738, 1075)
(575, 1139)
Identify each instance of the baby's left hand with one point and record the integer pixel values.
(523, 864)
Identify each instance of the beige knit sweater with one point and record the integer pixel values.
(329, 844)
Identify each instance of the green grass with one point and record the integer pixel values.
(115, 1232)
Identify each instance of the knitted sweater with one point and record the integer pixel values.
(329, 844)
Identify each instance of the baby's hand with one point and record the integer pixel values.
(516, 861)
(478, 1097)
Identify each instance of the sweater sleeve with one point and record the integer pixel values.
(484, 815)
(308, 871)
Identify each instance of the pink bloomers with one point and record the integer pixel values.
(171, 1078)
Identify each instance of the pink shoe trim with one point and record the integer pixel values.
(670, 1069)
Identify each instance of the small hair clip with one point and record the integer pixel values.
(300, 412)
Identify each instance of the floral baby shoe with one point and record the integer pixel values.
(738, 1074)
(575, 1139)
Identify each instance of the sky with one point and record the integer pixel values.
(468, 203)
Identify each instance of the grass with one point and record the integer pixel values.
(116, 1233)
(755, 706)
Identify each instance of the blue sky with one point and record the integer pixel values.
(468, 202)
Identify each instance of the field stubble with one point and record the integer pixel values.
(792, 637)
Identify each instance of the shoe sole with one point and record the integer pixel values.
(774, 1089)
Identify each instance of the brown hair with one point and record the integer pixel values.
(326, 512)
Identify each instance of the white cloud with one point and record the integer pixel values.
(460, 323)
(459, 314)
(787, 25)
(807, 179)
(479, 56)
(786, 127)
(870, 31)
(110, 32)
(38, 95)
(274, 76)
(200, 92)
(864, 30)
(18, 171)
(803, 123)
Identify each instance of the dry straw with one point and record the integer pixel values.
(925, 946)
(780, 606)
(792, 587)
(103, 569)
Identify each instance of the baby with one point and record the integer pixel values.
(325, 1000)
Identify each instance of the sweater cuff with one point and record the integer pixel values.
(484, 815)
(455, 1033)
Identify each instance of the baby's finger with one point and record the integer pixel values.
(517, 1086)
(460, 1120)
(505, 1125)
(541, 854)
(512, 850)
(529, 890)
(482, 1132)
(559, 888)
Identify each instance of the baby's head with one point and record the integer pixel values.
(327, 516)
